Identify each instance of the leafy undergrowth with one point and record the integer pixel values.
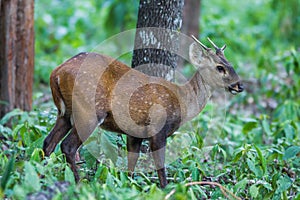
(259, 160)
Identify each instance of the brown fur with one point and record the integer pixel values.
(106, 95)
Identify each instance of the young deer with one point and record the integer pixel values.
(91, 90)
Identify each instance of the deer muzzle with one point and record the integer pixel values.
(236, 88)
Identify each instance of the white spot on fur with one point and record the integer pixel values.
(100, 121)
(62, 108)
(72, 120)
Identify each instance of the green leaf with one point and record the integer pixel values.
(25, 134)
(103, 174)
(124, 178)
(89, 158)
(146, 179)
(291, 152)
(11, 114)
(154, 193)
(7, 173)
(109, 180)
(241, 185)
(266, 126)
(5, 131)
(251, 166)
(223, 153)
(253, 191)
(37, 155)
(237, 156)
(283, 184)
(31, 180)
(16, 131)
(214, 151)
(289, 131)
(69, 175)
(108, 147)
(266, 185)
(195, 174)
(249, 126)
(262, 159)
(192, 194)
(19, 192)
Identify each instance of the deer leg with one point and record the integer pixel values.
(158, 148)
(133, 149)
(60, 130)
(69, 147)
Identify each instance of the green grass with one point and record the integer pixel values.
(250, 144)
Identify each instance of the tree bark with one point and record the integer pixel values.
(154, 48)
(190, 24)
(16, 54)
(191, 16)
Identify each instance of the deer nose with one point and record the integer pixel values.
(240, 87)
(236, 88)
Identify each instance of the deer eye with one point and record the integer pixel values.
(221, 69)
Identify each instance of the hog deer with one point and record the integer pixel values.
(129, 102)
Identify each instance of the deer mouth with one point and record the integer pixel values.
(236, 88)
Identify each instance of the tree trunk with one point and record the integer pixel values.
(154, 48)
(191, 15)
(190, 18)
(16, 54)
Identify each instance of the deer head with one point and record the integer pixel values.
(214, 68)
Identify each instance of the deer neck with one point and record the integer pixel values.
(197, 94)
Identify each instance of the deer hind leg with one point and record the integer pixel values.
(158, 149)
(69, 147)
(133, 149)
(60, 130)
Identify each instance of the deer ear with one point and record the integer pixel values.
(196, 53)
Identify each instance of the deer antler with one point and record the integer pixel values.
(223, 47)
(216, 47)
(204, 47)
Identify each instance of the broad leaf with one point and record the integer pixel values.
(283, 184)
(69, 175)
(253, 191)
(251, 166)
(291, 152)
(31, 179)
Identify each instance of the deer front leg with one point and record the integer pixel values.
(133, 149)
(60, 130)
(69, 147)
(158, 149)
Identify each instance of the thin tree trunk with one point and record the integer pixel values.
(154, 48)
(191, 18)
(16, 54)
